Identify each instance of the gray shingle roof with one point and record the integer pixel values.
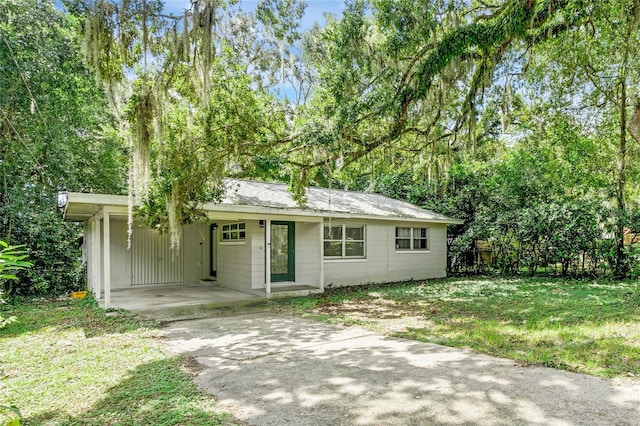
(332, 201)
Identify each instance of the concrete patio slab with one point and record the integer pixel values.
(181, 301)
(269, 369)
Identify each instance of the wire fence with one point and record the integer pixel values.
(516, 258)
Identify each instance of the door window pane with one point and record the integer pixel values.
(279, 249)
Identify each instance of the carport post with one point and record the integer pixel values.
(322, 255)
(94, 257)
(106, 256)
(267, 257)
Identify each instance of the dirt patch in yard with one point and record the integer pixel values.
(382, 315)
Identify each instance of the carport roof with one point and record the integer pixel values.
(252, 197)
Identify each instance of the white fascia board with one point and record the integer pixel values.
(102, 199)
(82, 206)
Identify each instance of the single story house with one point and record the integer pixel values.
(259, 238)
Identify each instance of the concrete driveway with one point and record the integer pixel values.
(269, 369)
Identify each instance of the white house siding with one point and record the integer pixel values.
(307, 253)
(236, 259)
(383, 263)
(241, 265)
(257, 258)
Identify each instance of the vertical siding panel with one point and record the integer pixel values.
(142, 253)
(164, 259)
(152, 260)
(120, 256)
(135, 261)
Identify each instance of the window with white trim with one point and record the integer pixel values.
(344, 241)
(412, 238)
(234, 232)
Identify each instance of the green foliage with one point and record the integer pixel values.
(54, 128)
(594, 70)
(115, 361)
(55, 134)
(192, 149)
(10, 415)
(409, 75)
(540, 207)
(511, 115)
(53, 245)
(12, 258)
(477, 110)
(189, 109)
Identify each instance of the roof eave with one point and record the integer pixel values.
(101, 200)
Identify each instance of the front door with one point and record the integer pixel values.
(282, 251)
(213, 250)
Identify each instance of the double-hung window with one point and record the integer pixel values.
(412, 238)
(344, 241)
(233, 232)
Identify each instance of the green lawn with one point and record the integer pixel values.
(587, 326)
(66, 362)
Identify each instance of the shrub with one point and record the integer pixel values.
(30, 219)
(12, 259)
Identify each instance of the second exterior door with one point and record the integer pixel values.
(282, 251)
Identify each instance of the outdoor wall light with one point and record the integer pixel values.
(62, 199)
(261, 223)
(214, 226)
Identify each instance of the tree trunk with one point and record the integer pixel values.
(621, 268)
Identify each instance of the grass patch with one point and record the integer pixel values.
(578, 325)
(68, 362)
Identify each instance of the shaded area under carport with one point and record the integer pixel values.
(182, 300)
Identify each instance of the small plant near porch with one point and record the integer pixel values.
(12, 258)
